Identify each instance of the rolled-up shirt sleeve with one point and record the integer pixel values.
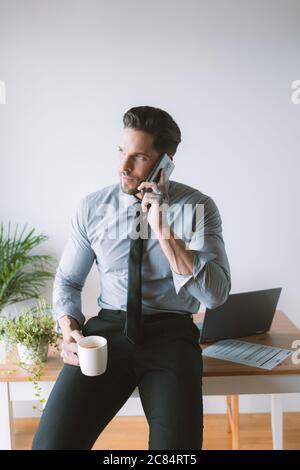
(210, 282)
(75, 264)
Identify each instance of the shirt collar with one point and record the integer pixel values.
(129, 199)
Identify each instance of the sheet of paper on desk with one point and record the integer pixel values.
(250, 354)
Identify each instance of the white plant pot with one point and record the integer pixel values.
(28, 355)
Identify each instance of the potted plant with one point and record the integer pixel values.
(32, 332)
(23, 272)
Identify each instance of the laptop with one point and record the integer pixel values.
(243, 314)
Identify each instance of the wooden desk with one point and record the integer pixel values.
(219, 378)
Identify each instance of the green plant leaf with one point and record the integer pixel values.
(22, 273)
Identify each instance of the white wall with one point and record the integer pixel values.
(223, 69)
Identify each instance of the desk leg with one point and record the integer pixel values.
(232, 414)
(6, 417)
(277, 421)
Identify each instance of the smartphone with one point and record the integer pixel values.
(165, 163)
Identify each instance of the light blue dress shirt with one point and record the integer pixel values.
(101, 229)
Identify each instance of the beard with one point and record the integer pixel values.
(128, 188)
(132, 191)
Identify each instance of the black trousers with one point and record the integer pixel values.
(166, 368)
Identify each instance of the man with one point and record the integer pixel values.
(153, 343)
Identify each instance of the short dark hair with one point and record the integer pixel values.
(156, 122)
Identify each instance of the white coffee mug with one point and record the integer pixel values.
(92, 353)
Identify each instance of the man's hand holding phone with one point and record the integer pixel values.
(154, 195)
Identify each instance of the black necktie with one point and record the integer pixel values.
(134, 322)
